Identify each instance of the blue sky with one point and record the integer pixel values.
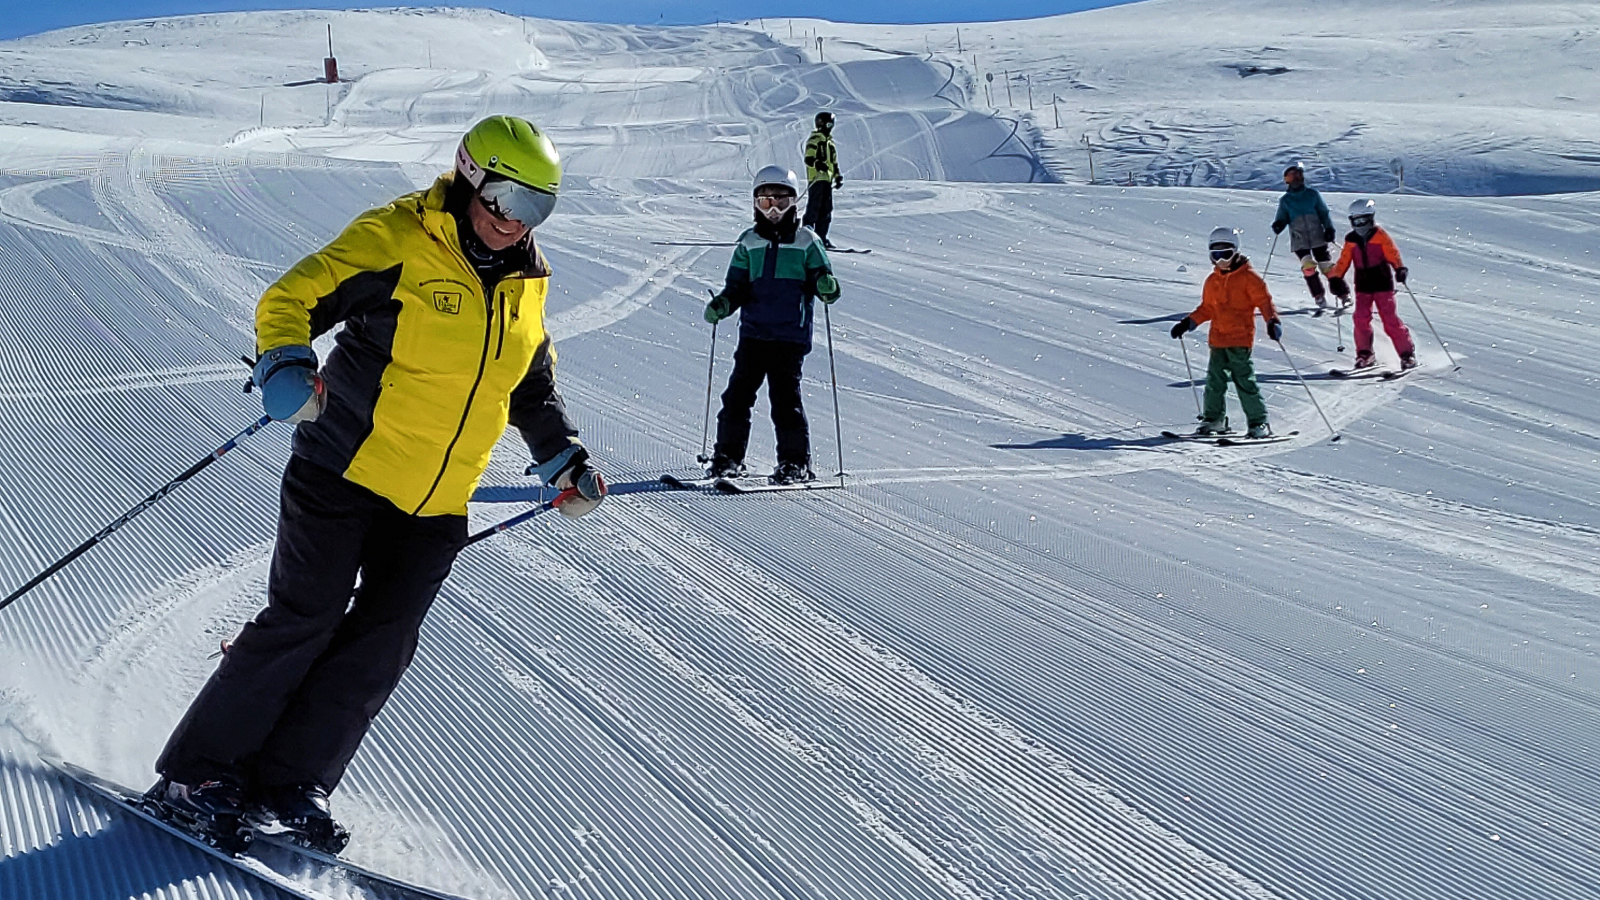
(23, 18)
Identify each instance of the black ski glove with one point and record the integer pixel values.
(1401, 273)
(1340, 288)
(1184, 327)
(1277, 227)
(838, 182)
(1328, 234)
(1275, 329)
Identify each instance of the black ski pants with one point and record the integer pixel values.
(819, 208)
(298, 688)
(778, 363)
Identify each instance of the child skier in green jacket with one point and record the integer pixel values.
(778, 267)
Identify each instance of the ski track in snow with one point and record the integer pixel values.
(1030, 650)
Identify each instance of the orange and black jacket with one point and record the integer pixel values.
(1375, 258)
(432, 364)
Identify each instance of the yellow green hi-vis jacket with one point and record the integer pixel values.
(430, 367)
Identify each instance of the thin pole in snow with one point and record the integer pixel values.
(1308, 389)
(1456, 366)
(838, 429)
(138, 508)
(1199, 413)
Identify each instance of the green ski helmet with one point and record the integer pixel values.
(513, 166)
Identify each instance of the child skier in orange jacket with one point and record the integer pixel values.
(1232, 294)
(1373, 254)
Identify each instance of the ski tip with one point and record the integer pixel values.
(1336, 438)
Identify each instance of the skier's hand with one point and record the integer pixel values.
(838, 182)
(1275, 329)
(582, 487)
(720, 307)
(1329, 235)
(291, 389)
(1184, 327)
(827, 287)
(1340, 288)
(1401, 273)
(1277, 227)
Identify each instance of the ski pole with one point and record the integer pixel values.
(1456, 365)
(711, 368)
(1338, 323)
(1199, 414)
(838, 429)
(1268, 267)
(616, 490)
(143, 505)
(1308, 388)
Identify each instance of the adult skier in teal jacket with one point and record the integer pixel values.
(1311, 230)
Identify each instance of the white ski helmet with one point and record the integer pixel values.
(1223, 243)
(1295, 166)
(776, 175)
(1363, 216)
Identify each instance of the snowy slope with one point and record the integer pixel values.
(1030, 651)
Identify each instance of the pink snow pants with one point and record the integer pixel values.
(1398, 334)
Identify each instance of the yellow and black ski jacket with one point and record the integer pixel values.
(822, 157)
(432, 364)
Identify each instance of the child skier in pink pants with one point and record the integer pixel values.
(1373, 254)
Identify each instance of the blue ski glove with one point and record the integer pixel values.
(1184, 327)
(1275, 330)
(291, 389)
(581, 486)
(720, 307)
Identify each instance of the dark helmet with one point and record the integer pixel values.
(824, 121)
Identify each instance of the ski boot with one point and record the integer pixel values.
(723, 467)
(1408, 361)
(792, 473)
(1259, 431)
(302, 810)
(1364, 361)
(212, 810)
(1210, 427)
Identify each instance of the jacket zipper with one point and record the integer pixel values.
(483, 363)
(502, 344)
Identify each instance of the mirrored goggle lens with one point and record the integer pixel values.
(511, 200)
(1361, 221)
(1222, 253)
(779, 203)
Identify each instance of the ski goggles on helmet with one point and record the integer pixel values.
(512, 200)
(1223, 252)
(779, 202)
(1362, 223)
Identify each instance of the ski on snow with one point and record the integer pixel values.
(1370, 372)
(1227, 440)
(748, 484)
(252, 860)
(760, 485)
(688, 484)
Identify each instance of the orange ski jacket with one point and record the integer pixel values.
(1229, 302)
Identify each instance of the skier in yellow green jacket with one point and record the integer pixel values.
(822, 177)
(442, 296)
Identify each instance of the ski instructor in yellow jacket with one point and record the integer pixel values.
(442, 297)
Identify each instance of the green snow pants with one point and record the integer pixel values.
(1233, 363)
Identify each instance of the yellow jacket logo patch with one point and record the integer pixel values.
(447, 302)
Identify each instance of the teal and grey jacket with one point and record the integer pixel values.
(1307, 216)
(772, 281)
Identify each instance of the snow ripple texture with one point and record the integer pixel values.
(1030, 651)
